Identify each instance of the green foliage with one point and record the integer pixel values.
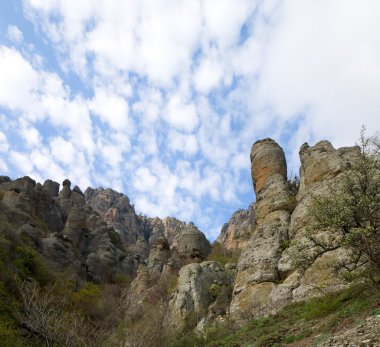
(29, 263)
(223, 256)
(121, 279)
(349, 215)
(88, 299)
(297, 321)
(293, 185)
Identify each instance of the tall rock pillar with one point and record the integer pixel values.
(258, 265)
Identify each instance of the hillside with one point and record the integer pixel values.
(83, 269)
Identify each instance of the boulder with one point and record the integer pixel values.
(203, 290)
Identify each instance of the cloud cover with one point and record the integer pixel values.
(163, 99)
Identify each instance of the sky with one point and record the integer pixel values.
(163, 99)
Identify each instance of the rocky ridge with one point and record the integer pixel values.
(97, 235)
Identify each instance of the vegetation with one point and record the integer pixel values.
(222, 255)
(308, 322)
(293, 185)
(39, 306)
(349, 216)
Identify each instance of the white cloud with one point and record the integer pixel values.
(31, 136)
(144, 180)
(208, 75)
(62, 150)
(18, 80)
(181, 115)
(111, 109)
(183, 143)
(185, 88)
(323, 60)
(224, 19)
(14, 34)
(4, 145)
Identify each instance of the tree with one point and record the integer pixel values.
(349, 216)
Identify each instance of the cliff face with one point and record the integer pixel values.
(266, 278)
(236, 233)
(97, 235)
(257, 269)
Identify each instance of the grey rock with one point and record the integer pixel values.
(203, 290)
(236, 233)
(51, 187)
(66, 183)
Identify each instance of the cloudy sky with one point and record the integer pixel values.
(162, 99)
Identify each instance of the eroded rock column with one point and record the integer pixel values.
(258, 265)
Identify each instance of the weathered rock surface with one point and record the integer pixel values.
(23, 194)
(191, 245)
(68, 198)
(257, 270)
(321, 167)
(236, 233)
(266, 278)
(116, 209)
(203, 290)
(366, 334)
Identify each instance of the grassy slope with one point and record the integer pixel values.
(317, 317)
(299, 324)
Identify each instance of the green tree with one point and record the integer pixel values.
(349, 216)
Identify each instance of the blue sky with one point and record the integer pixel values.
(162, 99)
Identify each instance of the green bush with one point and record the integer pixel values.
(88, 299)
(223, 256)
(297, 321)
(30, 264)
(293, 185)
(349, 215)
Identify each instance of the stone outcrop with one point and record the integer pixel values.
(236, 233)
(322, 167)
(191, 245)
(116, 209)
(23, 194)
(68, 198)
(203, 290)
(257, 270)
(97, 235)
(267, 278)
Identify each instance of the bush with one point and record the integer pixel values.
(31, 264)
(223, 256)
(293, 185)
(350, 215)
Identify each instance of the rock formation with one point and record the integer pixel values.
(257, 270)
(202, 294)
(97, 235)
(266, 278)
(236, 233)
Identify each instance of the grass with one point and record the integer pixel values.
(223, 256)
(299, 321)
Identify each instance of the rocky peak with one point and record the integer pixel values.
(51, 187)
(257, 270)
(116, 209)
(267, 160)
(236, 233)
